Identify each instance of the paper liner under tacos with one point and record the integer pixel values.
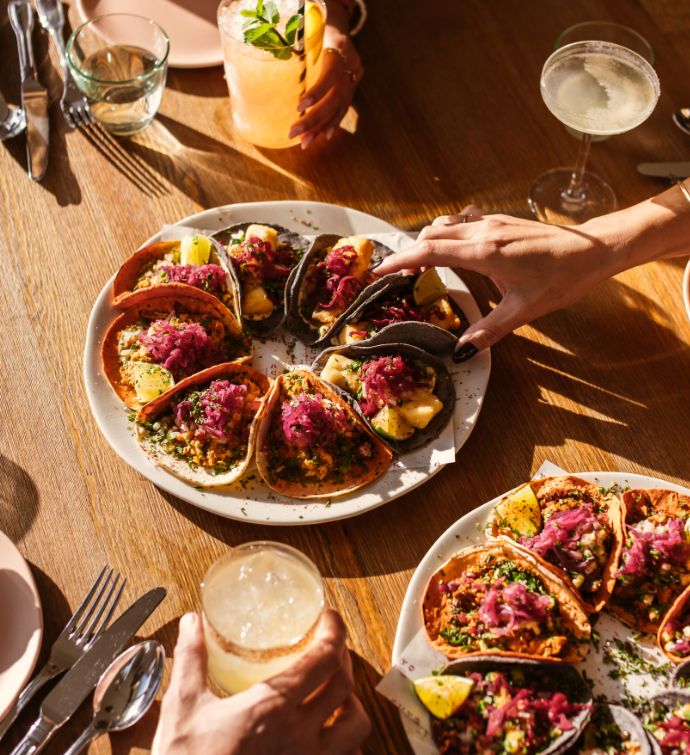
(542, 676)
(660, 505)
(157, 304)
(270, 437)
(444, 389)
(604, 718)
(133, 268)
(436, 340)
(302, 297)
(268, 325)
(437, 604)
(566, 492)
(154, 409)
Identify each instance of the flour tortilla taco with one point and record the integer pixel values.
(264, 259)
(502, 600)
(195, 260)
(673, 637)
(655, 561)
(203, 429)
(573, 525)
(404, 394)
(335, 274)
(311, 443)
(166, 337)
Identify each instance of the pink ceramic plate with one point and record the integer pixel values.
(22, 623)
(190, 24)
(686, 288)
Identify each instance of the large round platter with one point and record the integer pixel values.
(22, 623)
(250, 500)
(469, 530)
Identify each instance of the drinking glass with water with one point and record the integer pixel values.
(119, 61)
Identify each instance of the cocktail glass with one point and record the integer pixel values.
(593, 87)
(261, 603)
(265, 88)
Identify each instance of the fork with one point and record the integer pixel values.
(75, 108)
(82, 630)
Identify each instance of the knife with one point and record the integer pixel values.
(71, 691)
(34, 94)
(665, 170)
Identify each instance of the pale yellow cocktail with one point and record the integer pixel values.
(266, 84)
(261, 603)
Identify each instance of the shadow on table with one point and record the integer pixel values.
(204, 82)
(19, 500)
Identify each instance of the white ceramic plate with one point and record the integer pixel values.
(191, 26)
(470, 531)
(22, 623)
(686, 288)
(250, 500)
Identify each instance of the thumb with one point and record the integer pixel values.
(488, 331)
(189, 666)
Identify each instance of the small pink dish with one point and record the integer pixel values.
(22, 623)
(686, 289)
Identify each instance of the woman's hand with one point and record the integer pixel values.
(310, 709)
(327, 101)
(537, 268)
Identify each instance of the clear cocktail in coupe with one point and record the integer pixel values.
(269, 63)
(261, 604)
(595, 88)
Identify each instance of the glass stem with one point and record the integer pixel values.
(575, 193)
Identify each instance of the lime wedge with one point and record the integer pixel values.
(150, 380)
(443, 695)
(428, 288)
(521, 511)
(195, 250)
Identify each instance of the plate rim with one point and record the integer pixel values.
(169, 483)
(432, 558)
(686, 289)
(27, 575)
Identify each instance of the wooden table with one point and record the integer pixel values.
(450, 112)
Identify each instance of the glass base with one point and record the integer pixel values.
(549, 203)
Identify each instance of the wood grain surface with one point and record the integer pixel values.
(449, 113)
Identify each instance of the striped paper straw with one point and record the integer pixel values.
(299, 46)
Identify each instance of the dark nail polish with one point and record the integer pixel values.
(465, 352)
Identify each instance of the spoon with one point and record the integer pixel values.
(12, 120)
(682, 119)
(124, 692)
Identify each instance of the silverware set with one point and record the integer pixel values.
(84, 653)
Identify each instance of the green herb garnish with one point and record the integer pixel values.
(260, 30)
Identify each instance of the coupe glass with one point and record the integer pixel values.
(596, 88)
(261, 604)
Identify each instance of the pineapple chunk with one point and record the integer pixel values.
(428, 288)
(443, 316)
(195, 250)
(442, 695)
(336, 371)
(389, 423)
(150, 380)
(521, 512)
(421, 409)
(263, 232)
(348, 334)
(364, 249)
(255, 302)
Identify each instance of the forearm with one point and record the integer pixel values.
(657, 228)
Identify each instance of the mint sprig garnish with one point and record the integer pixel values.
(260, 30)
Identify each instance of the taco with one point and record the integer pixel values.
(166, 337)
(263, 258)
(501, 599)
(513, 705)
(203, 429)
(612, 729)
(401, 304)
(334, 274)
(655, 561)
(195, 260)
(311, 443)
(673, 636)
(405, 395)
(571, 524)
(668, 723)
